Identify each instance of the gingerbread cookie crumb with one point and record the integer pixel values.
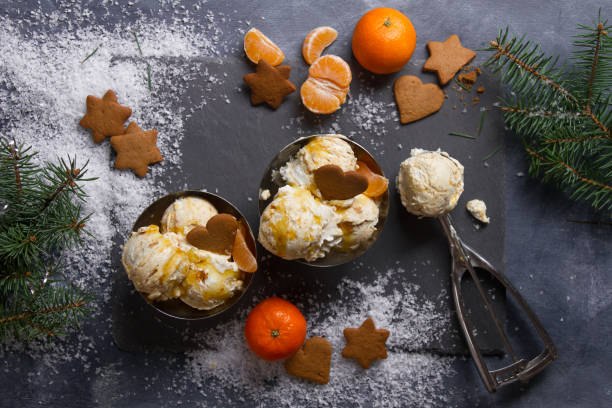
(468, 78)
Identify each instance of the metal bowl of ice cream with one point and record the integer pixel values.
(272, 181)
(152, 215)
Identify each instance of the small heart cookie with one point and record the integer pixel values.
(218, 236)
(335, 184)
(312, 361)
(416, 100)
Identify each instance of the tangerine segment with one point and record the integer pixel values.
(316, 41)
(377, 184)
(331, 68)
(242, 254)
(257, 46)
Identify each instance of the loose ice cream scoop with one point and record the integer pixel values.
(185, 213)
(430, 182)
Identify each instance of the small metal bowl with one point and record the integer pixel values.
(175, 308)
(273, 183)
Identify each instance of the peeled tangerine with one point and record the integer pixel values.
(329, 78)
(257, 46)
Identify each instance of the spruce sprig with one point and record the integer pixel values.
(43, 219)
(562, 113)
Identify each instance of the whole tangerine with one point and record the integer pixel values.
(275, 329)
(383, 40)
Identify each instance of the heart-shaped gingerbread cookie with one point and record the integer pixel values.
(416, 100)
(336, 184)
(218, 236)
(312, 361)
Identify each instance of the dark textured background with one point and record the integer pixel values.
(563, 269)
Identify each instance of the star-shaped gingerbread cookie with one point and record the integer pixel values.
(136, 149)
(365, 344)
(105, 116)
(269, 84)
(446, 58)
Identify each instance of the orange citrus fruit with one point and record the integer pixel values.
(316, 41)
(383, 40)
(377, 184)
(327, 85)
(275, 329)
(242, 254)
(258, 46)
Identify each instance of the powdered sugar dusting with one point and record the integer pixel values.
(44, 81)
(403, 379)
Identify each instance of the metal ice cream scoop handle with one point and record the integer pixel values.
(464, 259)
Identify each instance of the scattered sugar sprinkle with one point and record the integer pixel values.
(404, 379)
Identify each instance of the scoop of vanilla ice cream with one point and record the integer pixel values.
(320, 151)
(296, 225)
(430, 183)
(358, 222)
(155, 263)
(212, 279)
(185, 213)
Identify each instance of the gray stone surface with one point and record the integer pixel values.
(563, 269)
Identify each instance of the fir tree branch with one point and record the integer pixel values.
(35, 297)
(562, 114)
(16, 275)
(29, 315)
(69, 181)
(600, 32)
(16, 157)
(570, 168)
(539, 112)
(505, 51)
(574, 139)
(532, 70)
(40, 329)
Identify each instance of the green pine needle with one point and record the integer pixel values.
(462, 135)
(91, 54)
(482, 118)
(149, 75)
(493, 153)
(137, 42)
(148, 65)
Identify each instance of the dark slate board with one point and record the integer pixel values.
(227, 146)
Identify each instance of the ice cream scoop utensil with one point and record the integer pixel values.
(464, 259)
